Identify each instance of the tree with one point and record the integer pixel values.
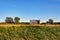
(50, 21)
(9, 20)
(16, 19)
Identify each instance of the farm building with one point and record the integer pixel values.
(34, 21)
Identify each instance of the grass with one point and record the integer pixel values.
(29, 33)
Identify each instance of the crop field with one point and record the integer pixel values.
(18, 25)
(29, 33)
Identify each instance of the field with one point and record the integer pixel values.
(29, 33)
(27, 24)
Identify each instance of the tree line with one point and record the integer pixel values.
(11, 20)
(17, 20)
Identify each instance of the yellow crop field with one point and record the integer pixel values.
(9, 25)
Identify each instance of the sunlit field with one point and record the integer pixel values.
(29, 33)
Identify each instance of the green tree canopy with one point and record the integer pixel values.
(50, 21)
(9, 20)
(16, 19)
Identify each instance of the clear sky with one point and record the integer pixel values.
(30, 9)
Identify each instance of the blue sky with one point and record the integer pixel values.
(30, 9)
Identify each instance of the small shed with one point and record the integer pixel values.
(34, 21)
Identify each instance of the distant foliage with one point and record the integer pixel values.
(16, 19)
(50, 21)
(9, 20)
